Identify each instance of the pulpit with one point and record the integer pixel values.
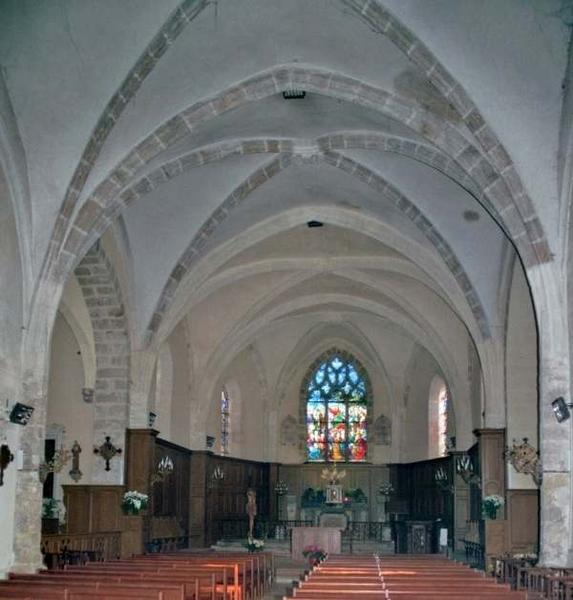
(328, 538)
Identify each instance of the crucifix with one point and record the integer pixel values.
(6, 457)
(107, 451)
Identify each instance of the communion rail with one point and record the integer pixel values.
(356, 533)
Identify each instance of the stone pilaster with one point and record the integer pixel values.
(111, 398)
(142, 369)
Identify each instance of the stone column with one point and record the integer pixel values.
(28, 509)
(555, 492)
(141, 375)
(555, 439)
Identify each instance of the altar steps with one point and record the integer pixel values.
(368, 547)
(277, 547)
(282, 547)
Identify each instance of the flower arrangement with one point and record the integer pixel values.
(254, 545)
(50, 508)
(312, 497)
(355, 495)
(55, 464)
(314, 553)
(526, 556)
(490, 505)
(133, 502)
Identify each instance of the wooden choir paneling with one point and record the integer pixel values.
(171, 495)
(491, 448)
(523, 521)
(417, 493)
(93, 508)
(226, 498)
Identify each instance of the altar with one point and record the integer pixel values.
(328, 538)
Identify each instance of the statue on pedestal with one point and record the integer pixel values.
(251, 509)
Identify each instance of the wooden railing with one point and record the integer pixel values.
(167, 544)
(61, 549)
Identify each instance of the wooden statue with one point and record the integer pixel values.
(251, 509)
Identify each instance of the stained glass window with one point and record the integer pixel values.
(443, 421)
(225, 421)
(336, 412)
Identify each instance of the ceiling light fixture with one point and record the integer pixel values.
(294, 94)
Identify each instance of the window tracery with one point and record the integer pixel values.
(337, 394)
(225, 421)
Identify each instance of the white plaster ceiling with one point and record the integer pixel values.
(62, 62)
(511, 58)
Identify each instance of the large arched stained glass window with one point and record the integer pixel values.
(336, 410)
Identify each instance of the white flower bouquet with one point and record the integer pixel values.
(254, 545)
(490, 504)
(134, 502)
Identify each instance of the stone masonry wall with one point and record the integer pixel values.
(111, 399)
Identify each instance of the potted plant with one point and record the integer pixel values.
(490, 505)
(254, 545)
(134, 502)
(355, 496)
(311, 497)
(50, 515)
(315, 554)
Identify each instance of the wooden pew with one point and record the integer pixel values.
(46, 589)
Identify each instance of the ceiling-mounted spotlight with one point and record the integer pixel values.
(561, 409)
(294, 94)
(21, 414)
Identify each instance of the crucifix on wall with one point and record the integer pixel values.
(107, 451)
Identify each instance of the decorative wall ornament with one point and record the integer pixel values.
(165, 468)
(75, 472)
(332, 475)
(382, 431)
(281, 488)
(466, 470)
(290, 434)
(88, 395)
(525, 459)
(442, 480)
(6, 457)
(107, 451)
(151, 419)
(55, 464)
(218, 473)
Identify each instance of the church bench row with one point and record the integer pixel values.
(190, 577)
(408, 578)
(540, 582)
(251, 574)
